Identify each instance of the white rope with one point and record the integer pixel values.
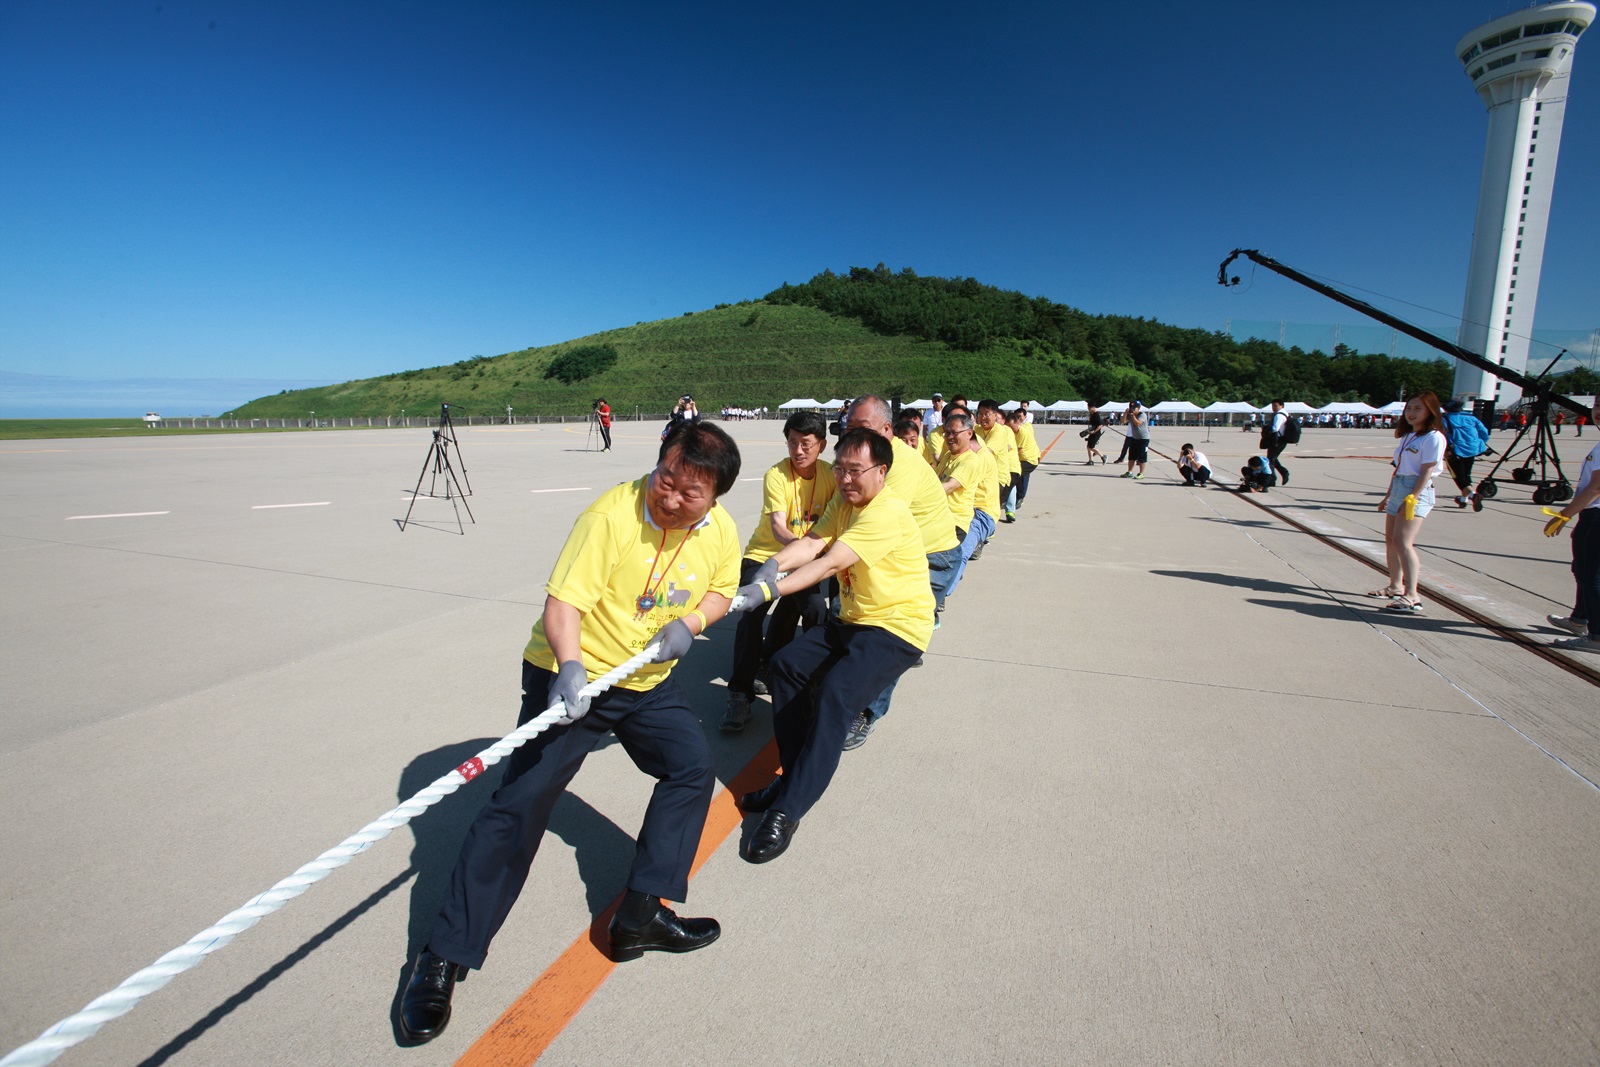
(121, 1000)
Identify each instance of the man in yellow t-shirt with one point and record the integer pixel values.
(986, 508)
(999, 439)
(870, 540)
(967, 475)
(1027, 450)
(918, 485)
(651, 562)
(795, 492)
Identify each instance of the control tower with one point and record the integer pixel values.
(1519, 65)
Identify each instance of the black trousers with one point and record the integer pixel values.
(1022, 486)
(1195, 477)
(1461, 471)
(605, 434)
(1586, 568)
(1277, 467)
(806, 608)
(819, 684)
(663, 738)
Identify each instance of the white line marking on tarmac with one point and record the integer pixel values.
(571, 489)
(119, 515)
(757, 478)
(264, 507)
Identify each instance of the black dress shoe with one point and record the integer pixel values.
(665, 932)
(771, 838)
(760, 799)
(425, 1006)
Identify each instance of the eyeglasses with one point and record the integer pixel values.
(851, 473)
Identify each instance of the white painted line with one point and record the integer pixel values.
(264, 507)
(573, 489)
(757, 478)
(119, 515)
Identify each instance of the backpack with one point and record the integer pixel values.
(1291, 430)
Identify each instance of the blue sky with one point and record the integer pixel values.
(296, 192)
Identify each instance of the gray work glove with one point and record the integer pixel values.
(767, 572)
(569, 680)
(675, 639)
(753, 597)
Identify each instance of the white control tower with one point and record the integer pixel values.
(1519, 64)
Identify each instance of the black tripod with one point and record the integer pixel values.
(444, 438)
(1542, 451)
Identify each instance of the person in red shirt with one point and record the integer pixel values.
(602, 412)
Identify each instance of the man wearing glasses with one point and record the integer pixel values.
(870, 540)
(653, 560)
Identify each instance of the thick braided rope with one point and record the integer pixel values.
(86, 1023)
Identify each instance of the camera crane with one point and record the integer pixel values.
(1536, 390)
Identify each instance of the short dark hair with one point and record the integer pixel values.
(904, 423)
(879, 446)
(704, 447)
(1187, 447)
(990, 405)
(953, 409)
(806, 423)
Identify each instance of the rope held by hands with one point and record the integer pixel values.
(83, 1025)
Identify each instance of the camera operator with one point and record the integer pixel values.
(602, 414)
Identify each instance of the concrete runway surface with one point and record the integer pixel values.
(1168, 790)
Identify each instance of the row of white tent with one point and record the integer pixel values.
(1175, 407)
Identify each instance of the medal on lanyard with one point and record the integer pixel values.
(647, 599)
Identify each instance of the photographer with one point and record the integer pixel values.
(602, 414)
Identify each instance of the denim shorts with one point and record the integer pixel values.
(1403, 484)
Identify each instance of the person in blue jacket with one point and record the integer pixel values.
(1469, 439)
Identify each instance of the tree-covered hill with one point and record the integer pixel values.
(871, 330)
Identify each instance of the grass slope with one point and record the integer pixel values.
(743, 355)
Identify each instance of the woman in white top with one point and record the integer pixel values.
(1417, 458)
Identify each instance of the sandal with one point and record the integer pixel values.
(1386, 594)
(1402, 606)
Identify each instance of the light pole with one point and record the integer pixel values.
(508, 414)
(313, 420)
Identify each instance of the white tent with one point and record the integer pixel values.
(1231, 407)
(919, 405)
(801, 404)
(1394, 407)
(832, 405)
(1069, 405)
(1346, 407)
(1174, 407)
(1299, 407)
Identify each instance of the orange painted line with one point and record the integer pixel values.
(536, 1018)
(1051, 445)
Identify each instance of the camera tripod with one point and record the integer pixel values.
(438, 459)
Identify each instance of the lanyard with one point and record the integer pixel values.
(647, 599)
(805, 515)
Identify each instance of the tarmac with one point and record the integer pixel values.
(1169, 788)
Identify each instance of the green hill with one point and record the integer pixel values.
(871, 330)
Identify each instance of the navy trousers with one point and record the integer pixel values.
(663, 738)
(820, 683)
(805, 607)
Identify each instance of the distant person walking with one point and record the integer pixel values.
(1469, 439)
(1091, 436)
(1409, 498)
(1276, 436)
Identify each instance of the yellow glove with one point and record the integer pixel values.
(1554, 526)
(1410, 505)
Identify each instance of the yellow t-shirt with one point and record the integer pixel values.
(1003, 443)
(613, 557)
(933, 446)
(988, 499)
(1027, 445)
(888, 588)
(968, 469)
(801, 500)
(913, 481)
